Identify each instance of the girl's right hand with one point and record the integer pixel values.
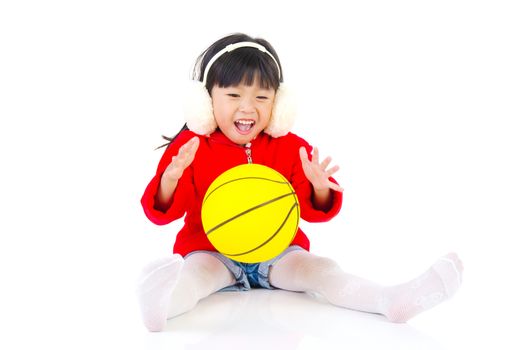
(181, 161)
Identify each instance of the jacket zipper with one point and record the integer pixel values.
(248, 153)
(247, 149)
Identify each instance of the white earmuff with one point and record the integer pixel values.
(283, 114)
(198, 109)
(198, 106)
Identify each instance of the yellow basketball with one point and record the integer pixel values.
(250, 213)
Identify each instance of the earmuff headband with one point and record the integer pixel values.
(235, 46)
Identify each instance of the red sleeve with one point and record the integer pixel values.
(183, 193)
(304, 191)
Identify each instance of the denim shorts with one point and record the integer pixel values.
(248, 275)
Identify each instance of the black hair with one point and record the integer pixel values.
(242, 65)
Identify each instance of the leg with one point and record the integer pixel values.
(302, 271)
(171, 286)
(201, 276)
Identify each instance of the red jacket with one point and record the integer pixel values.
(215, 155)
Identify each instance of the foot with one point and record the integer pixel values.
(154, 289)
(402, 302)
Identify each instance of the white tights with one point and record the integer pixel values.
(302, 271)
(171, 286)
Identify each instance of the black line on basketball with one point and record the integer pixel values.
(250, 210)
(246, 178)
(272, 236)
(295, 198)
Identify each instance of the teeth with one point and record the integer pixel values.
(245, 122)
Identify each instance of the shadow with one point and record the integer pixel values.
(265, 319)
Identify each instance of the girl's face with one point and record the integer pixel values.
(242, 111)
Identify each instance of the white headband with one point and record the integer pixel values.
(235, 46)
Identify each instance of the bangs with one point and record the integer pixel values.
(244, 67)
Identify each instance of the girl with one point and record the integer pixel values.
(239, 114)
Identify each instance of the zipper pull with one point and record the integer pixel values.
(248, 153)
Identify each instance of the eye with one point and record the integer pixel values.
(233, 95)
(263, 98)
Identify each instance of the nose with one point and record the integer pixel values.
(247, 105)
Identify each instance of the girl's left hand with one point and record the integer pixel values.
(317, 173)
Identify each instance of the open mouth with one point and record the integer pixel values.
(244, 125)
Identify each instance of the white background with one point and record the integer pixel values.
(423, 105)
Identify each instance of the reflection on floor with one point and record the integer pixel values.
(264, 319)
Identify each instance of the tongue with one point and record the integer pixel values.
(243, 127)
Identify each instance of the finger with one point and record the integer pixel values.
(194, 144)
(189, 144)
(189, 147)
(193, 149)
(315, 156)
(332, 170)
(335, 187)
(183, 149)
(326, 162)
(303, 154)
